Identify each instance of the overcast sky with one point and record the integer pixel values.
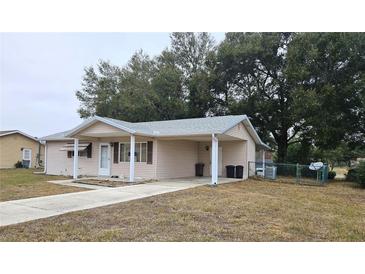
(40, 72)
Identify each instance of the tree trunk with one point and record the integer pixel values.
(282, 150)
(282, 142)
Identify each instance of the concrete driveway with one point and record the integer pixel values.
(18, 211)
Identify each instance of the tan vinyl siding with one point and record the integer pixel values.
(99, 127)
(241, 132)
(141, 169)
(176, 159)
(204, 156)
(233, 153)
(59, 164)
(11, 150)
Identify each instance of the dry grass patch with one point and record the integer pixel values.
(242, 211)
(22, 183)
(110, 182)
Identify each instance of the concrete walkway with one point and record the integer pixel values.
(18, 211)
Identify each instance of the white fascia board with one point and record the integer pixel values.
(235, 124)
(260, 142)
(251, 129)
(106, 121)
(94, 120)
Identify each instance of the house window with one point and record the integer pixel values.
(87, 152)
(83, 153)
(124, 152)
(27, 157)
(140, 152)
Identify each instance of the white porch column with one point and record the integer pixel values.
(131, 159)
(263, 163)
(214, 160)
(45, 157)
(76, 158)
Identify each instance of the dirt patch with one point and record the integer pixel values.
(291, 180)
(108, 182)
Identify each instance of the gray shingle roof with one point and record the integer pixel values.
(181, 127)
(57, 136)
(194, 126)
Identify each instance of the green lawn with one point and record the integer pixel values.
(243, 211)
(22, 183)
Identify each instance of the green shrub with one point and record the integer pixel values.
(331, 175)
(351, 175)
(361, 173)
(18, 164)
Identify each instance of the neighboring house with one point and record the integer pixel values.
(162, 149)
(18, 146)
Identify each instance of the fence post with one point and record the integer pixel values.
(298, 173)
(324, 174)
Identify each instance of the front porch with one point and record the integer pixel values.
(171, 158)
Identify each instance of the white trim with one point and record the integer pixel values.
(92, 121)
(131, 158)
(232, 126)
(76, 159)
(214, 160)
(256, 135)
(220, 162)
(251, 129)
(30, 156)
(108, 169)
(45, 157)
(140, 151)
(21, 133)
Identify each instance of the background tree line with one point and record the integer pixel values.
(302, 91)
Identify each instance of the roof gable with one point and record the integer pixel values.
(10, 132)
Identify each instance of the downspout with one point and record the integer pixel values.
(45, 157)
(39, 154)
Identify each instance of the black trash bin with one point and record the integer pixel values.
(199, 169)
(230, 171)
(239, 172)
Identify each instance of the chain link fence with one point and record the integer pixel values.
(288, 173)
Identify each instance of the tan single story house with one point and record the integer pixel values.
(16, 145)
(161, 149)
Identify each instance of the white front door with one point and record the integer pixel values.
(220, 162)
(104, 159)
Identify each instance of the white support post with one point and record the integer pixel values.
(263, 163)
(131, 159)
(45, 157)
(214, 160)
(76, 158)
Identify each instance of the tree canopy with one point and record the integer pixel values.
(297, 88)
